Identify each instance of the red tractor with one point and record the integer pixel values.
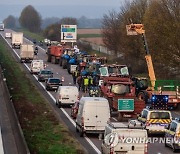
(54, 53)
(120, 92)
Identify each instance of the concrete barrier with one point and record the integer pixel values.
(20, 142)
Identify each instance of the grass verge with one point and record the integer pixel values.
(43, 132)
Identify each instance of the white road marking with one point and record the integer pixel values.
(114, 119)
(66, 114)
(1, 143)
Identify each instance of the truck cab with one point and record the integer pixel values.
(155, 121)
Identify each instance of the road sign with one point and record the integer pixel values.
(126, 105)
(68, 33)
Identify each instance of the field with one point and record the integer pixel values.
(89, 31)
(91, 35)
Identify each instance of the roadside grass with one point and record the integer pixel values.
(37, 36)
(43, 132)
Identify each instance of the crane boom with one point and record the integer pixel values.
(138, 29)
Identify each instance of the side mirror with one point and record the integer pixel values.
(167, 126)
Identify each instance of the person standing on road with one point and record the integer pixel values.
(75, 75)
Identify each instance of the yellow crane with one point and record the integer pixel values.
(138, 29)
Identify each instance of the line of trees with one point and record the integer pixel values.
(161, 19)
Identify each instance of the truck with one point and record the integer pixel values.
(115, 141)
(26, 53)
(1, 26)
(17, 39)
(120, 92)
(54, 53)
(146, 92)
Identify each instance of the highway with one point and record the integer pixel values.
(90, 142)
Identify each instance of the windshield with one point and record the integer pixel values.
(120, 89)
(54, 81)
(46, 72)
(159, 115)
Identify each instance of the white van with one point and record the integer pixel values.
(118, 138)
(67, 95)
(36, 66)
(93, 115)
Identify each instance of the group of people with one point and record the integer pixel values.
(85, 82)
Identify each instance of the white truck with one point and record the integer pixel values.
(119, 138)
(26, 53)
(17, 39)
(8, 35)
(1, 27)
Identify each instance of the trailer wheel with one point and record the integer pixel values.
(49, 58)
(60, 62)
(56, 60)
(120, 117)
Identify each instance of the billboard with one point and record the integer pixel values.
(68, 33)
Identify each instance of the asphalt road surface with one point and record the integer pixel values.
(90, 142)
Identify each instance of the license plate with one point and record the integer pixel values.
(174, 100)
(65, 98)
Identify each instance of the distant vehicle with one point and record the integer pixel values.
(1, 27)
(26, 53)
(8, 35)
(17, 39)
(53, 83)
(172, 135)
(36, 66)
(35, 50)
(93, 115)
(74, 110)
(54, 53)
(67, 95)
(44, 75)
(115, 141)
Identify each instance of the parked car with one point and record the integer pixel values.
(74, 110)
(44, 75)
(67, 95)
(53, 83)
(93, 115)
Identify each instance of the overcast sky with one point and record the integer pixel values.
(60, 8)
(63, 2)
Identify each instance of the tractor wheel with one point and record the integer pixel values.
(143, 95)
(69, 69)
(64, 64)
